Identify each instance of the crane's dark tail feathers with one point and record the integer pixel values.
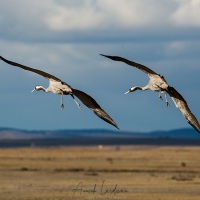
(94, 106)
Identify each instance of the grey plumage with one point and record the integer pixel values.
(159, 84)
(57, 86)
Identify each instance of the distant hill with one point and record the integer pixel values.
(16, 134)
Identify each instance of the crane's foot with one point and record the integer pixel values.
(167, 104)
(79, 105)
(61, 106)
(160, 98)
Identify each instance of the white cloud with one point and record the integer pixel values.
(187, 13)
(50, 20)
(74, 17)
(107, 14)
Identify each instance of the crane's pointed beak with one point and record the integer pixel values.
(33, 90)
(127, 92)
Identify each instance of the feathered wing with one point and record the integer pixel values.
(143, 68)
(181, 104)
(94, 106)
(44, 74)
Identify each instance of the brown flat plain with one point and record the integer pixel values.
(133, 172)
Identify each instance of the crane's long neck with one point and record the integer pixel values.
(137, 88)
(43, 89)
(39, 87)
(46, 89)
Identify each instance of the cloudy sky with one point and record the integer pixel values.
(65, 38)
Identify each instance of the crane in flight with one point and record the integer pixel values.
(159, 84)
(57, 86)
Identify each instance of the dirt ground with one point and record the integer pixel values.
(98, 173)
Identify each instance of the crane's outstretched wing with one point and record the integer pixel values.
(94, 106)
(181, 104)
(143, 68)
(44, 74)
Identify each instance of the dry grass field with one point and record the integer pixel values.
(133, 172)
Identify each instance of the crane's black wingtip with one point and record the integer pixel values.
(112, 123)
(102, 55)
(105, 56)
(115, 58)
(5, 60)
(117, 127)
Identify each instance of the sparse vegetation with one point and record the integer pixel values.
(140, 172)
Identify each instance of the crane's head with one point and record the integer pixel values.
(37, 88)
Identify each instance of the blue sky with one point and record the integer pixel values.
(65, 38)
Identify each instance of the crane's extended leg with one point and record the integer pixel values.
(78, 104)
(61, 103)
(167, 103)
(160, 97)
